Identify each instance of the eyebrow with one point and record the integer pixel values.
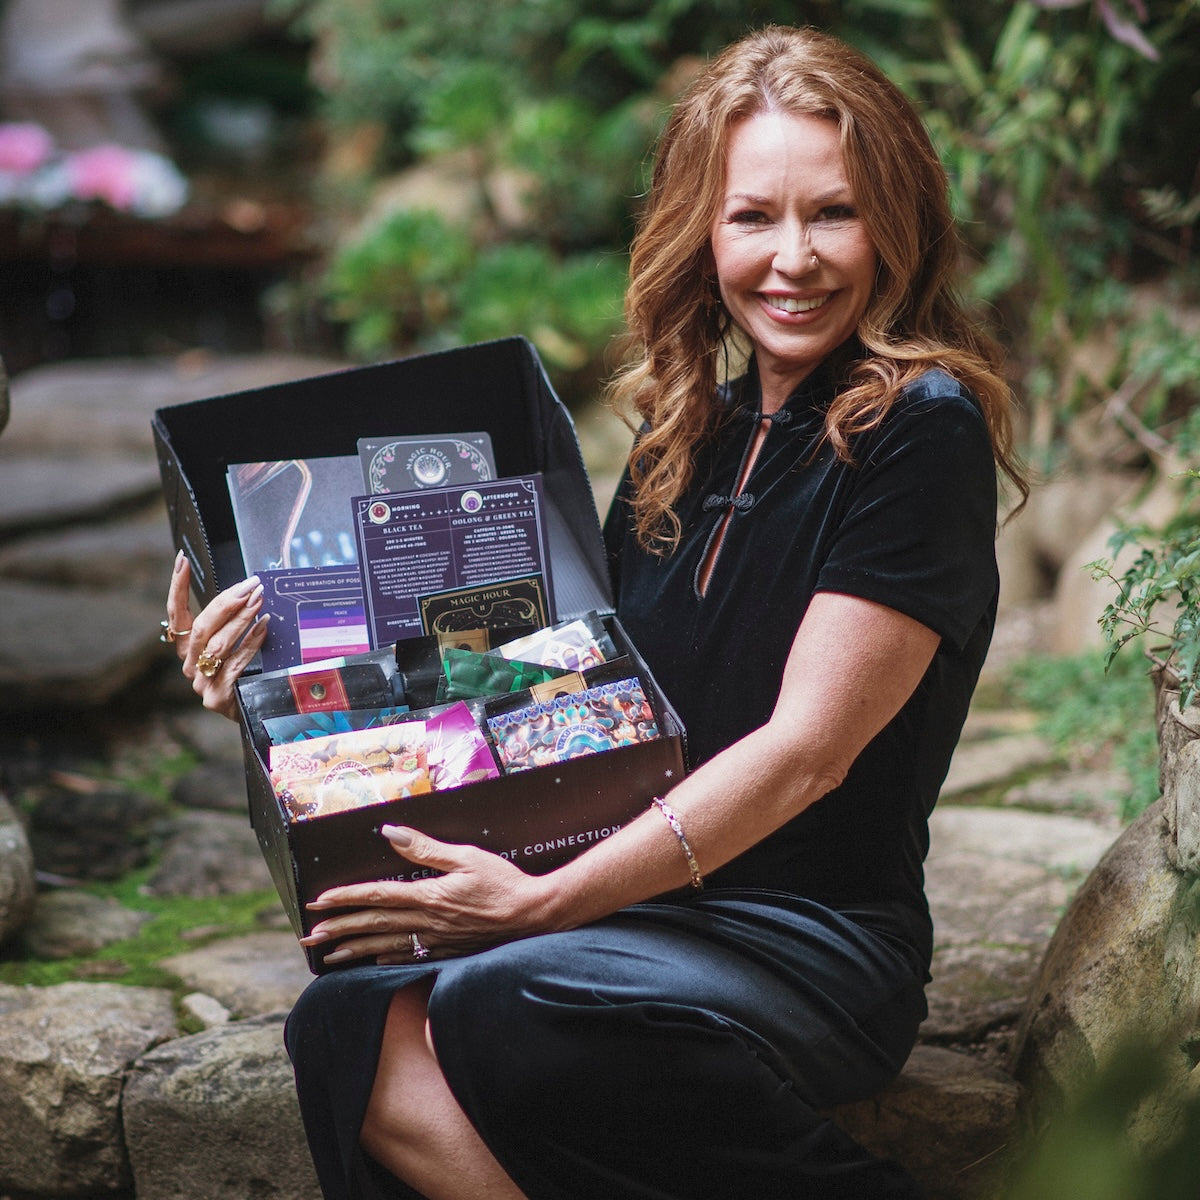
(839, 193)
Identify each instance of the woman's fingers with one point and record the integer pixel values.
(217, 645)
(179, 617)
(216, 690)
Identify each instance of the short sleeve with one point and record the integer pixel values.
(918, 530)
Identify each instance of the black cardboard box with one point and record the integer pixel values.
(540, 818)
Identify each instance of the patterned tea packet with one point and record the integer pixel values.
(602, 718)
(349, 770)
(322, 724)
(572, 645)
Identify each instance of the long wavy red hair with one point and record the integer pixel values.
(679, 335)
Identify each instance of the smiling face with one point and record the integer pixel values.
(786, 199)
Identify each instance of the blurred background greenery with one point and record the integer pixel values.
(1070, 130)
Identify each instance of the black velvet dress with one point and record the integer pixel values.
(684, 1049)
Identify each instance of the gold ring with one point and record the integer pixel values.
(419, 951)
(208, 664)
(169, 635)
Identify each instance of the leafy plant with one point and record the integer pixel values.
(1087, 711)
(1088, 1149)
(1158, 593)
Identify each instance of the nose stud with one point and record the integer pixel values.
(816, 262)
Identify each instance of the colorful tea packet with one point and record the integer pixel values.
(457, 752)
(602, 718)
(575, 645)
(324, 724)
(350, 770)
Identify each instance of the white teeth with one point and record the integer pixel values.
(792, 305)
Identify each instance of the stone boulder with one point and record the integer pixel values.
(70, 922)
(949, 1120)
(1124, 964)
(80, 829)
(214, 1117)
(17, 878)
(209, 854)
(250, 975)
(64, 1052)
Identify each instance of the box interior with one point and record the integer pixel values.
(454, 391)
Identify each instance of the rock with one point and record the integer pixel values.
(92, 834)
(208, 1010)
(982, 764)
(949, 1120)
(250, 975)
(64, 1052)
(17, 878)
(128, 552)
(214, 738)
(219, 786)
(210, 854)
(214, 1117)
(51, 657)
(67, 923)
(94, 408)
(82, 489)
(1179, 777)
(1097, 794)
(996, 882)
(1124, 963)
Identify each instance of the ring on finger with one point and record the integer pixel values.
(418, 949)
(170, 635)
(207, 663)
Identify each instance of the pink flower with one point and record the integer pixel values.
(24, 147)
(104, 173)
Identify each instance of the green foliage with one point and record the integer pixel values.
(1158, 594)
(1067, 129)
(415, 279)
(1088, 711)
(1088, 1150)
(397, 282)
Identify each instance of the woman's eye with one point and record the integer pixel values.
(838, 212)
(747, 216)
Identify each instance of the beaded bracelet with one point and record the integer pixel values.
(677, 829)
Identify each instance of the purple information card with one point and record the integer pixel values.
(413, 544)
(316, 613)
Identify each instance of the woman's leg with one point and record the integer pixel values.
(414, 1127)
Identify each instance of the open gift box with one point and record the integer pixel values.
(539, 818)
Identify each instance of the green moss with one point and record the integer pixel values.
(178, 923)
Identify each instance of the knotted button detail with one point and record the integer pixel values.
(743, 502)
(782, 416)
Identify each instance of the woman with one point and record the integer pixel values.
(805, 558)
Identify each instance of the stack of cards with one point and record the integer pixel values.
(411, 536)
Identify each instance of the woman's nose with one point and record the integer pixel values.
(794, 249)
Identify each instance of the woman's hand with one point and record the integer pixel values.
(219, 644)
(481, 900)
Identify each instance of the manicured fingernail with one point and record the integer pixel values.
(338, 955)
(397, 834)
(254, 596)
(178, 561)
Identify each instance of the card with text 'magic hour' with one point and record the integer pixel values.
(402, 464)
